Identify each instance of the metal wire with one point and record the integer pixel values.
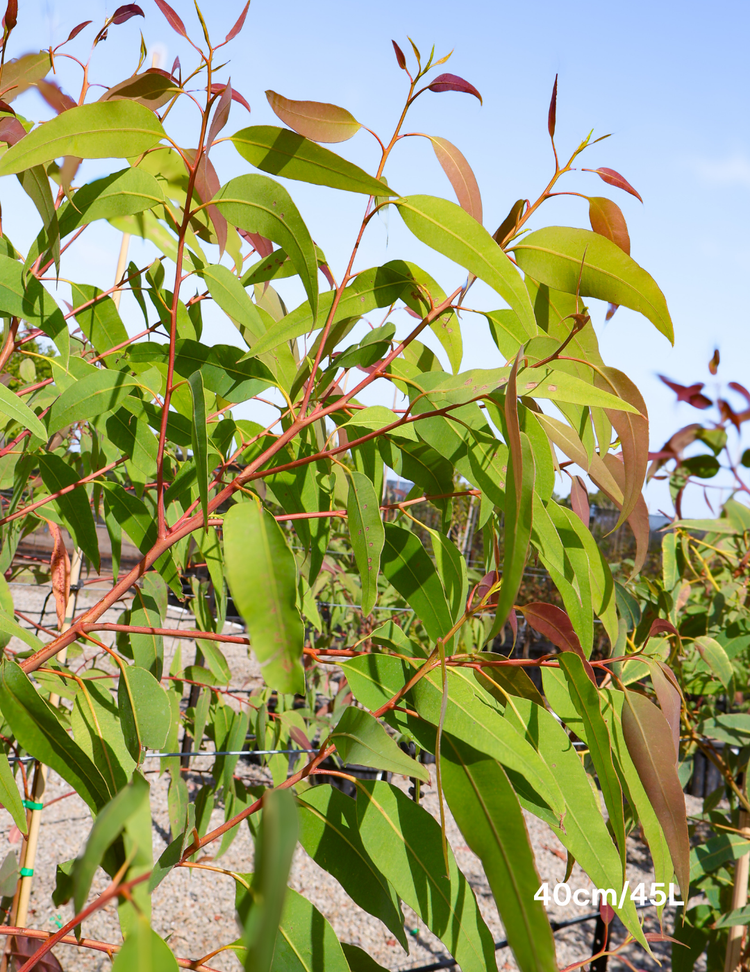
(221, 752)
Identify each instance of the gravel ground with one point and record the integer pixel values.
(194, 910)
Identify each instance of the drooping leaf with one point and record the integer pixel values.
(360, 738)
(649, 742)
(73, 506)
(606, 218)
(315, 120)
(452, 82)
(407, 845)
(144, 950)
(285, 153)
(613, 178)
(367, 535)
(37, 728)
(200, 439)
(144, 710)
(259, 205)
(460, 176)
(25, 297)
(553, 623)
(153, 89)
(112, 129)
(486, 809)
(15, 408)
(88, 397)
(555, 255)
(262, 578)
(408, 568)
(329, 833)
(9, 795)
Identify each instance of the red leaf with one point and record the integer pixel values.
(326, 271)
(59, 568)
(55, 98)
(638, 518)
(11, 16)
(460, 175)
(207, 185)
(607, 913)
(24, 948)
(613, 178)
(660, 626)
(238, 25)
(176, 66)
(649, 741)
(713, 364)
(11, 130)
(300, 738)
(513, 622)
(174, 21)
(124, 13)
(606, 219)
(669, 698)
(552, 115)
(4, 106)
(611, 311)
(579, 500)
(452, 82)
(236, 96)
(77, 30)
(399, 55)
(552, 622)
(483, 588)
(263, 247)
(221, 114)
(689, 393)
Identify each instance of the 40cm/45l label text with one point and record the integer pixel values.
(561, 895)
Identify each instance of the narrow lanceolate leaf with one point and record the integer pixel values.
(298, 948)
(606, 219)
(15, 408)
(613, 178)
(259, 205)
(460, 175)
(37, 728)
(285, 153)
(486, 809)
(553, 623)
(716, 658)
(262, 577)
(649, 741)
(518, 517)
(90, 396)
(122, 193)
(448, 229)
(406, 842)
(360, 738)
(329, 833)
(632, 429)
(452, 82)
(232, 298)
(200, 440)
(103, 130)
(9, 795)
(668, 694)
(585, 697)
(316, 120)
(367, 535)
(554, 256)
(59, 568)
(638, 520)
(409, 569)
(144, 710)
(144, 951)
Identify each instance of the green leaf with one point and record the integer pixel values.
(359, 960)
(143, 950)
(285, 153)
(26, 298)
(733, 728)
(554, 256)
(486, 809)
(317, 120)
(98, 731)
(74, 506)
(200, 440)
(107, 827)
(407, 566)
(260, 205)
(445, 227)
(406, 842)
(329, 833)
(585, 697)
(451, 568)
(231, 296)
(716, 658)
(37, 728)
(36, 185)
(115, 129)
(148, 610)
(101, 322)
(649, 742)
(260, 910)
(707, 857)
(262, 577)
(306, 942)
(90, 396)
(145, 713)
(367, 535)
(122, 193)
(360, 738)
(9, 795)
(14, 407)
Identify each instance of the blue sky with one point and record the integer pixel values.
(669, 82)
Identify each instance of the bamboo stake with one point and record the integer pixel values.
(739, 900)
(122, 262)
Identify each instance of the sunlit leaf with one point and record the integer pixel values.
(315, 120)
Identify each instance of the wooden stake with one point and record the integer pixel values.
(739, 900)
